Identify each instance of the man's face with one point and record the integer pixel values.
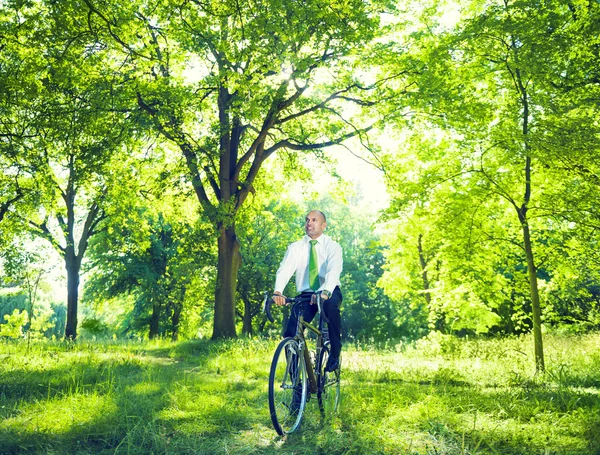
(314, 224)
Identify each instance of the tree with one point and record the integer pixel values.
(498, 85)
(529, 46)
(17, 89)
(262, 76)
(76, 126)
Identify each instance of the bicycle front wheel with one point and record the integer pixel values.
(328, 393)
(287, 387)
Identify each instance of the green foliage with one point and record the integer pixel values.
(66, 126)
(121, 121)
(155, 262)
(42, 323)
(487, 182)
(14, 324)
(572, 293)
(45, 318)
(10, 301)
(94, 327)
(25, 266)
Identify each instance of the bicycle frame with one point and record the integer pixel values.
(300, 338)
(310, 367)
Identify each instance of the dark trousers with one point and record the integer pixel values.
(331, 308)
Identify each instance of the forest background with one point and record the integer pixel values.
(159, 156)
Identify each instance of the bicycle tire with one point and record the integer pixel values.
(328, 393)
(288, 387)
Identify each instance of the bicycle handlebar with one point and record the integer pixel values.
(268, 302)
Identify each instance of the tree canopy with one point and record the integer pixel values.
(156, 147)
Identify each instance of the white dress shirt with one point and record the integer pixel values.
(296, 259)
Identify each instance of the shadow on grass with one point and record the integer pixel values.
(211, 398)
(517, 419)
(61, 379)
(137, 404)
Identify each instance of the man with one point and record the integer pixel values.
(317, 262)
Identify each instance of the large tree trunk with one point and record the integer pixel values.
(72, 264)
(227, 273)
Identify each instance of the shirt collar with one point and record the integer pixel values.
(319, 239)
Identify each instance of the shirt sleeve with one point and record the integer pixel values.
(334, 267)
(286, 269)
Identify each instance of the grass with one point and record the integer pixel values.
(440, 396)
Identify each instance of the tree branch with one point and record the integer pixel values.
(286, 143)
(186, 148)
(43, 231)
(93, 218)
(5, 206)
(109, 26)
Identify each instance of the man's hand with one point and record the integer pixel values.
(313, 298)
(279, 299)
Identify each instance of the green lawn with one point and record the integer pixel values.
(442, 396)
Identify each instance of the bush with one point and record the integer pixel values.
(94, 327)
(13, 328)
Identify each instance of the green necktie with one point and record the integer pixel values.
(313, 267)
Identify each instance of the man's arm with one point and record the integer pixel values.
(335, 262)
(284, 273)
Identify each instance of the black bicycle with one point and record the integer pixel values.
(297, 373)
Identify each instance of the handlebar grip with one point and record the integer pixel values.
(267, 307)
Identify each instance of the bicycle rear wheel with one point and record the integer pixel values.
(328, 393)
(287, 387)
